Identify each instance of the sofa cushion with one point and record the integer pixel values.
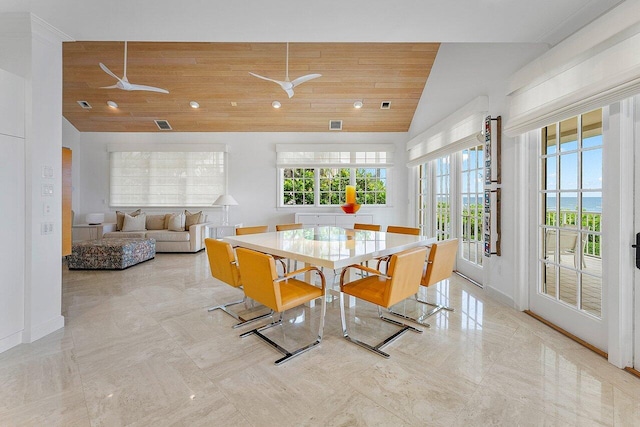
(168, 236)
(155, 222)
(126, 234)
(134, 223)
(120, 218)
(176, 222)
(192, 219)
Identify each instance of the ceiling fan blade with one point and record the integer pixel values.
(267, 79)
(289, 91)
(147, 88)
(110, 87)
(108, 71)
(306, 78)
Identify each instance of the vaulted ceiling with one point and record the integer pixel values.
(216, 76)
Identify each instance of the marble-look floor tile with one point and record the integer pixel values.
(140, 348)
(66, 409)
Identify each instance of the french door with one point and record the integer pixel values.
(571, 244)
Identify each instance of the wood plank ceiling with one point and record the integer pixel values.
(216, 75)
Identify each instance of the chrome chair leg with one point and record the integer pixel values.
(289, 354)
(243, 321)
(374, 348)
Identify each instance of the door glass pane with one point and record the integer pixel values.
(569, 171)
(549, 139)
(592, 169)
(569, 134)
(568, 286)
(551, 172)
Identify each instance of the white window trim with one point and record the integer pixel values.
(352, 165)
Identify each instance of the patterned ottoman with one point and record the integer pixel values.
(110, 254)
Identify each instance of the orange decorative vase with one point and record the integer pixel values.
(350, 208)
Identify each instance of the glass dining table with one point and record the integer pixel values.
(329, 247)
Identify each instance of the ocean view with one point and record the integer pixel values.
(589, 204)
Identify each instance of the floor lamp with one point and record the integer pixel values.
(225, 200)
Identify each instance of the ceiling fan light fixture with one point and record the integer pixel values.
(112, 104)
(276, 104)
(357, 104)
(194, 104)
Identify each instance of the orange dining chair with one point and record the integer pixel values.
(252, 230)
(401, 281)
(224, 267)
(369, 227)
(287, 227)
(413, 231)
(256, 229)
(258, 270)
(439, 266)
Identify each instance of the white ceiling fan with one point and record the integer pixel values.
(286, 84)
(123, 83)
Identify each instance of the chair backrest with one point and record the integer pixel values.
(442, 258)
(222, 261)
(285, 227)
(260, 270)
(252, 230)
(568, 241)
(369, 227)
(405, 270)
(403, 230)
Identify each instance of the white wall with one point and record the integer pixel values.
(12, 147)
(252, 172)
(43, 261)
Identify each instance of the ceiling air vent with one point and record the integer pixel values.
(385, 105)
(335, 124)
(163, 124)
(85, 105)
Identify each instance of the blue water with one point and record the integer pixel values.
(589, 204)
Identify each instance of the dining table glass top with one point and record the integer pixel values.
(329, 247)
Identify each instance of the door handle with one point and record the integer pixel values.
(637, 248)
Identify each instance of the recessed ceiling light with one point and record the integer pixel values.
(112, 104)
(194, 104)
(234, 104)
(276, 104)
(357, 104)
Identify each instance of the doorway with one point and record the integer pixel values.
(569, 288)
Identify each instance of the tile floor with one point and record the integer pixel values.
(139, 348)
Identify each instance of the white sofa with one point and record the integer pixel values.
(191, 240)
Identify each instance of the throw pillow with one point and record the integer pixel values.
(155, 222)
(192, 219)
(176, 222)
(134, 223)
(120, 218)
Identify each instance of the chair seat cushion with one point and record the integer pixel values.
(370, 289)
(295, 292)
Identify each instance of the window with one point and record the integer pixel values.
(471, 188)
(319, 178)
(166, 178)
(438, 173)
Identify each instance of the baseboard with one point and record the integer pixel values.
(45, 328)
(499, 296)
(10, 341)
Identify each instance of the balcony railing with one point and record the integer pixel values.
(589, 226)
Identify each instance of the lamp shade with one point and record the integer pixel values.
(225, 200)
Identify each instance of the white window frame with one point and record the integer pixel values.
(325, 156)
(195, 190)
